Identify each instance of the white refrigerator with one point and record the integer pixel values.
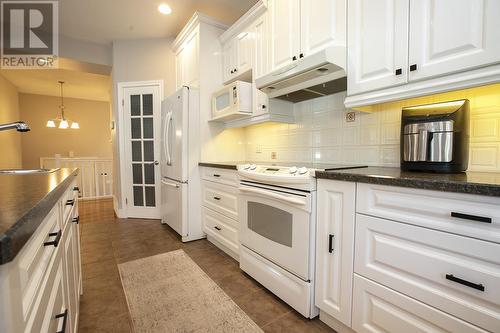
(180, 150)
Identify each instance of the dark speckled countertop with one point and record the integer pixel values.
(481, 183)
(25, 200)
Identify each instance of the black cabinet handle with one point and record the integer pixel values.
(235, 70)
(56, 240)
(63, 315)
(232, 71)
(264, 106)
(399, 71)
(216, 198)
(77, 189)
(216, 175)
(76, 220)
(217, 228)
(301, 55)
(469, 284)
(330, 243)
(471, 217)
(294, 58)
(70, 202)
(413, 67)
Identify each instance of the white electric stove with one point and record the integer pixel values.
(277, 218)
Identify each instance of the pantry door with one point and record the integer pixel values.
(141, 133)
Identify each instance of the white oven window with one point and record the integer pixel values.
(222, 101)
(271, 222)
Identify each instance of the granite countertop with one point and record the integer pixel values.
(222, 165)
(25, 200)
(481, 183)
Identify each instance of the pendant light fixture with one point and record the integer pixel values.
(63, 121)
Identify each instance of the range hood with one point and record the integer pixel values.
(319, 74)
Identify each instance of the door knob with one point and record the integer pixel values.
(155, 163)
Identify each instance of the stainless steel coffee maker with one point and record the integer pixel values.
(435, 137)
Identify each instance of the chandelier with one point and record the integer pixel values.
(62, 120)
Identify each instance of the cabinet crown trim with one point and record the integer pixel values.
(251, 15)
(196, 19)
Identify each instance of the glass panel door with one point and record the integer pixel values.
(142, 146)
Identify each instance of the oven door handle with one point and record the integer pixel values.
(273, 195)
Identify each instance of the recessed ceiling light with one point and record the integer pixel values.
(164, 9)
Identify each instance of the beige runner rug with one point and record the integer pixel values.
(170, 293)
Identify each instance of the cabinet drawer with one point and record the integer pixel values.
(380, 309)
(224, 229)
(456, 274)
(451, 212)
(50, 312)
(221, 198)
(68, 202)
(36, 256)
(222, 176)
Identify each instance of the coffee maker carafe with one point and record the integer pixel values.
(435, 137)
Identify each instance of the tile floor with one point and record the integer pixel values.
(107, 241)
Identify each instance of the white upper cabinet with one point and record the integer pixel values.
(244, 57)
(261, 58)
(186, 62)
(285, 32)
(398, 49)
(322, 24)
(452, 35)
(377, 44)
(229, 55)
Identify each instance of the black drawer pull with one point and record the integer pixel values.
(217, 228)
(216, 198)
(294, 58)
(76, 220)
(413, 67)
(399, 71)
(63, 315)
(476, 286)
(70, 202)
(77, 189)
(471, 217)
(216, 175)
(330, 243)
(55, 242)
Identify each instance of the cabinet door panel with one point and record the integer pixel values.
(190, 61)
(322, 24)
(261, 47)
(227, 63)
(453, 35)
(285, 32)
(335, 248)
(244, 50)
(179, 68)
(377, 40)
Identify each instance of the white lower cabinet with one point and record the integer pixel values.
(219, 211)
(40, 289)
(395, 259)
(335, 248)
(378, 309)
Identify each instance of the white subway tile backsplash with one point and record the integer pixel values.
(321, 133)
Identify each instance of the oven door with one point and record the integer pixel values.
(276, 223)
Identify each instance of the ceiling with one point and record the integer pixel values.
(45, 82)
(102, 21)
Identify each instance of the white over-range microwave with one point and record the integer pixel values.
(232, 101)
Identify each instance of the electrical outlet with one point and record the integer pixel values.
(350, 117)
(273, 155)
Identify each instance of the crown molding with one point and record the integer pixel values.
(249, 17)
(193, 22)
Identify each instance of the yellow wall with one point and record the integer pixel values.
(10, 141)
(93, 139)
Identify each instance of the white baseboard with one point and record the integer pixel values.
(334, 323)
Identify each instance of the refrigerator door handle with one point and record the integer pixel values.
(170, 184)
(167, 138)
